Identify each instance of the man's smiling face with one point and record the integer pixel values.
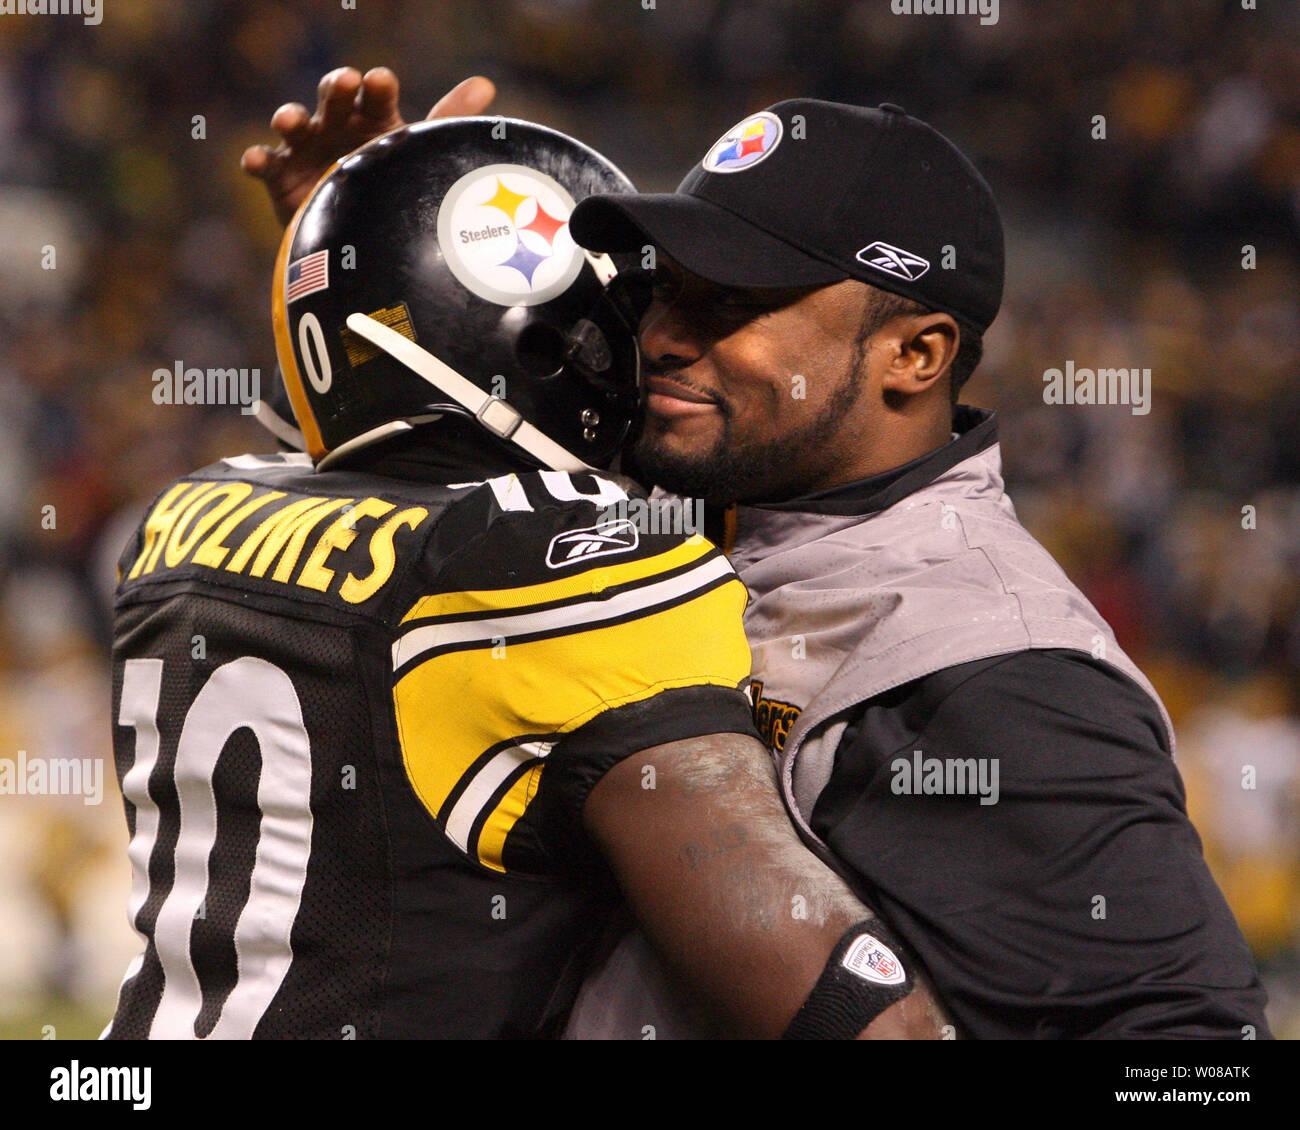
(752, 395)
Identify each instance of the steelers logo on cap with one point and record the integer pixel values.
(504, 232)
(745, 145)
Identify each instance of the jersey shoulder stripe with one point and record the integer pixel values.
(608, 596)
(607, 579)
(510, 655)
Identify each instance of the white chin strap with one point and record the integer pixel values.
(492, 412)
(265, 415)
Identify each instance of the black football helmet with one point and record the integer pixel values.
(432, 271)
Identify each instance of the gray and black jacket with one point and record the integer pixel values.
(959, 733)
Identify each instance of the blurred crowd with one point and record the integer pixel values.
(1146, 154)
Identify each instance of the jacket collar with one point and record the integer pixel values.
(975, 430)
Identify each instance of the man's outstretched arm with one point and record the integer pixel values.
(739, 910)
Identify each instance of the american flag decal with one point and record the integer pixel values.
(308, 275)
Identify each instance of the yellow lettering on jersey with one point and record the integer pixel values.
(282, 535)
(382, 556)
(341, 534)
(291, 540)
(285, 516)
(192, 521)
(159, 525)
(181, 543)
(212, 552)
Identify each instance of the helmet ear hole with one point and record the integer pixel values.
(540, 349)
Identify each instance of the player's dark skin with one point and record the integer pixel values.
(736, 350)
(708, 859)
(350, 110)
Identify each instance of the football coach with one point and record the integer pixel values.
(955, 725)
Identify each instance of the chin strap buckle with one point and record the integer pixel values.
(498, 417)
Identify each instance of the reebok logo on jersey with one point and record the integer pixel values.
(600, 540)
(872, 960)
(893, 261)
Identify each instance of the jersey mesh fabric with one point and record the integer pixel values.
(397, 932)
(344, 909)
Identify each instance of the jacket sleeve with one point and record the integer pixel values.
(1023, 826)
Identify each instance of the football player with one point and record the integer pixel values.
(400, 716)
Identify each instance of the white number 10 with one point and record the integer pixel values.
(246, 693)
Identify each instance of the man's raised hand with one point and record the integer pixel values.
(350, 110)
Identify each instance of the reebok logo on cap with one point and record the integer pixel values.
(893, 261)
(775, 206)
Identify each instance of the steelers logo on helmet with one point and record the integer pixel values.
(745, 145)
(430, 281)
(504, 230)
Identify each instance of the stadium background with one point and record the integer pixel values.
(1123, 252)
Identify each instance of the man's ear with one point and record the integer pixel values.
(925, 345)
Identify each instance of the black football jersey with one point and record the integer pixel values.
(356, 720)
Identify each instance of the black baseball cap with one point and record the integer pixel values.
(807, 193)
